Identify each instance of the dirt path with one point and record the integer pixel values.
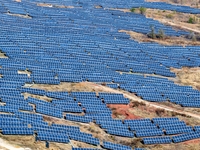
(93, 87)
(148, 104)
(150, 75)
(178, 26)
(4, 145)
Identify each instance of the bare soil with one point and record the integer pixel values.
(25, 142)
(188, 76)
(20, 15)
(2, 55)
(122, 111)
(51, 5)
(175, 19)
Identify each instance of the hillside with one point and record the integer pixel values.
(99, 75)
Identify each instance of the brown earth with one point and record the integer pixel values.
(66, 86)
(29, 141)
(188, 76)
(177, 20)
(122, 111)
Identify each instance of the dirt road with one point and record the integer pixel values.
(148, 104)
(4, 145)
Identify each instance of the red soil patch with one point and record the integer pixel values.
(123, 110)
(195, 141)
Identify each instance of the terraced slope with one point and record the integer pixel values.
(71, 80)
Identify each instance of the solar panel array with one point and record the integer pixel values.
(157, 140)
(113, 52)
(83, 44)
(112, 146)
(152, 131)
(17, 8)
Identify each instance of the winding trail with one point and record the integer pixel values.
(4, 145)
(132, 97)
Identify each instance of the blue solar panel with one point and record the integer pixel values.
(112, 146)
(79, 45)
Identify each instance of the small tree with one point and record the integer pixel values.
(191, 20)
(194, 39)
(161, 34)
(142, 10)
(176, 1)
(192, 36)
(152, 33)
(160, 112)
(132, 9)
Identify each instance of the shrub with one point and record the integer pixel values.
(159, 112)
(152, 33)
(161, 34)
(176, 1)
(133, 142)
(191, 20)
(192, 36)
(169, 16)
(104, 84)
(132, 9)
(136, 104)
(115, 113)
(142, 10)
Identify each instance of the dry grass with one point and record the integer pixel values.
(175, 19)
(65, 86)
(3, 148)
(188, 76)
(29, 142)
(71, 87)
